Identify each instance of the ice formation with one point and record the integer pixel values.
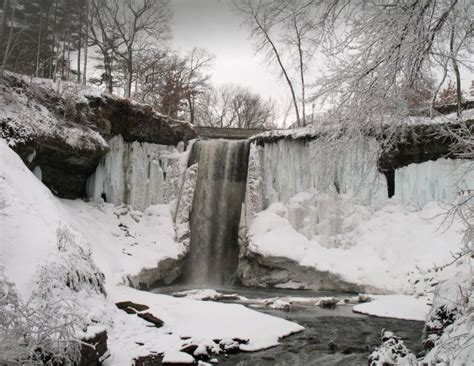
(440, 180)
(138, 174)
(325, 216)
(347, 167)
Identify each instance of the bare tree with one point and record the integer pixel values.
(86, 41)
(173, 84)
(7, 35)
(105, 41)
(199, 61)
(265, 17)
(231, 105)
(134, 27)
(392, 47)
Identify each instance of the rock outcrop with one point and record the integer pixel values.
(256, 270)
(62, 136)
(137, 122)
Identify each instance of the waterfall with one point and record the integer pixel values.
(216, 209)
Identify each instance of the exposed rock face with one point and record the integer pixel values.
(94, 354)
(256, 270)
(137, 122)
(64, 168)
(164, 273)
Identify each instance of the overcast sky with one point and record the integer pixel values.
(211, 24)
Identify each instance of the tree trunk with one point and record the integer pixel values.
(86, 45)
(63, 54)
(282, 67)
(8, 44)
(79, 46)
(53, 45)
(301, 66)
(68, 53)
(3, 30)
(456, 72)
(128, 86)
(48, 24)
(191, 108)
(38, 47)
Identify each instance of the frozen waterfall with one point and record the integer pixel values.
(346, 167)
(440, 180)
(216, 210)
(138, 174)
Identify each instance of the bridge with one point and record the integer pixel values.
(227, 133)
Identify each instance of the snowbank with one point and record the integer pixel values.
(382, 250)
(395, 306)
(30, 215)
(195, 321)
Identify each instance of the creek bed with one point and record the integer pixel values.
(332, 336)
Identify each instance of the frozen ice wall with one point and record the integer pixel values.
(439, 180)
(347, 167)
(325, 187)
(138, 174)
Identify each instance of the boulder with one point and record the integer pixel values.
(94, 349)
(149, 317)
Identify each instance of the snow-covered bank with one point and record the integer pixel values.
(191, 321)
(121, 242)
(381, 249)
(395, 306)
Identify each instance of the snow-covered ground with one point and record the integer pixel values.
(191, 322)
(24, 114)
(121, 243)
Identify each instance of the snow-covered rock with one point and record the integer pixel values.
(62, 130)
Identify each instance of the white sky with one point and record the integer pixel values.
(211, 24)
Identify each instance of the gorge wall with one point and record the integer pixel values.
(111, 149)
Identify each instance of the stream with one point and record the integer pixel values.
(332, 336)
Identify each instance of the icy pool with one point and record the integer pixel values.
(332, 336)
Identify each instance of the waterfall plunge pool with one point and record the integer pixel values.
(332, 336)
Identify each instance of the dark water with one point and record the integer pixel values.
(215, 216)
(331, 337)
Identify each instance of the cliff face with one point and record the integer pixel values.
(62, 135)
(419, 144)
(135, 122)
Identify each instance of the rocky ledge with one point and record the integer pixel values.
(63, 135)
(256, 270)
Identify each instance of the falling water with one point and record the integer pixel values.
(215, 216)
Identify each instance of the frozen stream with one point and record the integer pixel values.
(334, 336)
